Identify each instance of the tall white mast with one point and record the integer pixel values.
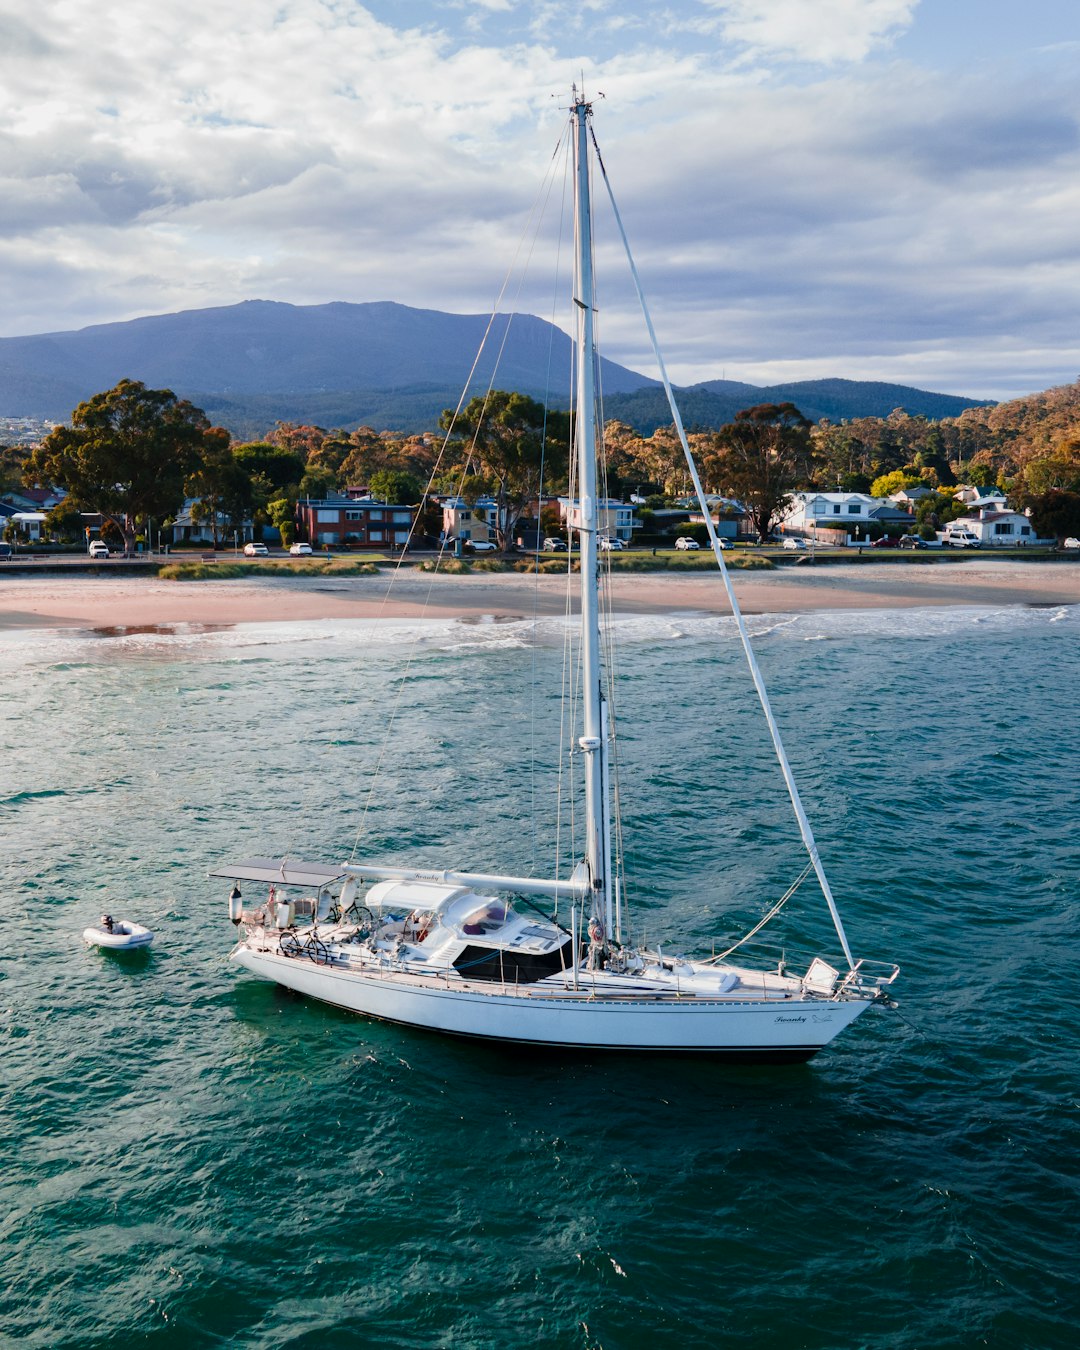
(592, 741)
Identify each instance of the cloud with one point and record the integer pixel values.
(153, 161)
(823, 31)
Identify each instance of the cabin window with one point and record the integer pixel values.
(488, 918)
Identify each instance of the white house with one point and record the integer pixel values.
(851, 512)
(29, 522)
(977, 498)
(994, 525)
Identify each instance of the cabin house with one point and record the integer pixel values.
(350, 522)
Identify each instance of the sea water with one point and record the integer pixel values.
(192, 1157)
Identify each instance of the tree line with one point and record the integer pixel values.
(136, 454)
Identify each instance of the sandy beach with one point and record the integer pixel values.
(125, 602)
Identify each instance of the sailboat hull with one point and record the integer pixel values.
(745, 1029)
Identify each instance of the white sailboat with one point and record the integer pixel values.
(446, 950)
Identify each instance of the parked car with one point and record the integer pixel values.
(960, 539)
(479, 546)
(686, 544)
(98, 549)
(256, 551)
(299, 550)
(791, 543)
(607, 543)
(553, 545)
(886, 541)
(1072, 543)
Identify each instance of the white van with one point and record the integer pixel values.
(960, 537)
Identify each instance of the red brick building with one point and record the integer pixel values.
(345, 521)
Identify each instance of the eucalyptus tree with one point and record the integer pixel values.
(127, 453)
(765, 453)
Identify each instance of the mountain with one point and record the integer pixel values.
(381, 364)
(714, 402)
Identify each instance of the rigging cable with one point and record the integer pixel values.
(774, 731)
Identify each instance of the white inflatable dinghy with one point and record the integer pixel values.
(117, 934)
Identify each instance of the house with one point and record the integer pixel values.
(996, 525)
(614, 519)
(474, 522)
(809, 511)
(977, 498)
(990, 517)
(842, 517)
(354, 522)
(728, 516)
(26, 522)
(185, 529)
(34, 499)
(907, 499)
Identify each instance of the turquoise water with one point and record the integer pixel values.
(194, 1158)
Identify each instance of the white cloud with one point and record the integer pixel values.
(153, 160)
(824, 31)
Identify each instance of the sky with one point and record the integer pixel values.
(871, 189)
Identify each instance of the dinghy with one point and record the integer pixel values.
(117, 934)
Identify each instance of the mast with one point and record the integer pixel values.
(592, 740)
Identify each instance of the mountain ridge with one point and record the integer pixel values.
(377, 363)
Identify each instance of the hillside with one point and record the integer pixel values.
(381, 364)
(714, 402)
(263, 358)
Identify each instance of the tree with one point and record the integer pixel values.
(765, 453)
(281, 467)
(890, 483)
(221, 487)
(1055, 513)
(65, 522)
(515, 443)
(281, 512)
(127, 453)
(1058, 471)
(395, 487)
(318, 482)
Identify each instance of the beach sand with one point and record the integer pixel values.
(126, 602)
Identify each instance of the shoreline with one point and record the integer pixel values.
(125, 602)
